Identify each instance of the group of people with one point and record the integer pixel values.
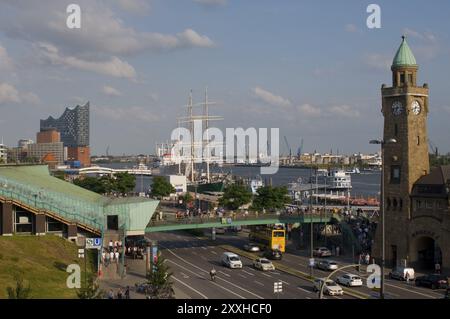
(120, 294)
(135, 251)
(112, 253)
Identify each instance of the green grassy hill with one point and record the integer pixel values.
(41, 262)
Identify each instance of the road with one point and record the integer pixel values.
(191, 258)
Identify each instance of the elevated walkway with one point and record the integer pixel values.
(171, 223)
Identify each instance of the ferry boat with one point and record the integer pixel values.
(335, 179)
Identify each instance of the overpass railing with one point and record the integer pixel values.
(67, 208)
(205, 219)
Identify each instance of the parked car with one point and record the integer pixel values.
(434, 281)
(273, 254)
(331, 288)
(327, 265)
(350, 280)
(251, 247)
(263, 264)
(321, 252)
(231, 260)
(401, 273)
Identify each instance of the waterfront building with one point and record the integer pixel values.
(417, 202)
(24, 142)
(3, 153)
(73, 125)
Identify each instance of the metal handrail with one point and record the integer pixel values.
(33, 202)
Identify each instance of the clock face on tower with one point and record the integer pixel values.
(415, 107)
(397, 108)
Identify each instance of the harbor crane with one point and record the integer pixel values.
(300, 149)
(434, 149)
(288, 147)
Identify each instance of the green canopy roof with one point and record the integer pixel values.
(404, 56)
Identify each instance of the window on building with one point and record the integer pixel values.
(439, 204)
(401, 203)
(429, 204)
(402, 78)
(394, 203)
(418, 140)
(410, 78)
(395, 174)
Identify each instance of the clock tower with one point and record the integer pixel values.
(405, 110)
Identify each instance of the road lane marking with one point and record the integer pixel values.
(184, 275)
(259, 283)
(232, 292)
(267, 275)
(203, 247)
(213, 252)
(242, 276)
(249, 273)
(224, 273)
(304, 290)
(275, 273)
(237, 286)
(193, 252)
(285, 282)
(190, 287)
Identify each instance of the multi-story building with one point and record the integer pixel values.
(48, 136)
(73, 125)
(24, 142)
(3, 153)
(49, 153)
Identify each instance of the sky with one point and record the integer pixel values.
(313, 69)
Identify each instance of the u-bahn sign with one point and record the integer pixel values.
(93, 243)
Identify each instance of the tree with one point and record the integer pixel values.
(158, 279)
(93, 184)
(161, 187)
(91, 290)
(20, 292)
(271, 197)
(235, 196)
(125, 182)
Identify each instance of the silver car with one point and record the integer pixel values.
(327, 265)
(252, 247)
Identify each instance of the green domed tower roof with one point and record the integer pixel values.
(404, 56)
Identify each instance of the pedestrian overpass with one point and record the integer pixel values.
(172, 223)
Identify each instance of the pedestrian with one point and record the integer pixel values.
(367, 258)
(120, 294)
(116, 256)
(103, 256)
(407, 277)
(111, 256)
(107, 259)
(111, 294)
(437, 268)
(111, 245)
(127, 293)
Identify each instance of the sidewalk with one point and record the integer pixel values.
(135, 274)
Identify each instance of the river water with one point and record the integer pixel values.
(366, 184)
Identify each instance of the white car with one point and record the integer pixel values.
(350, 280)
(231, 260)
(331, 288)
(263, 264)
(328, 265)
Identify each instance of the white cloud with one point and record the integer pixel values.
(102, 31)
(135, 6)
(378, 61)
(211, 2)
(270, 98)
(309, 111)
(31, 98)
(108, 90)
(428, 46)
(10, 94)
(113, 66)
(344, 111)
(6, 63)
(134, 113)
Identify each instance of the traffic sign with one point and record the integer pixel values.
(80, 253)
(93, 243)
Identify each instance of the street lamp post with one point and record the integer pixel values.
(383, 243)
